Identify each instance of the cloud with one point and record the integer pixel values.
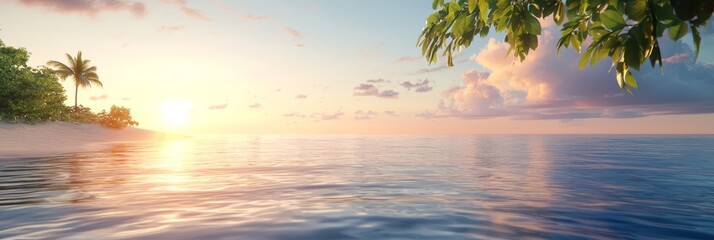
(293, 33)
(419, 85)
(677, 58)
(391, 113)
(333, 116)
(406, 59)
(296, 36)
(125, 99)
(102, 97)
(430, 69)
(251, 17)
(171, 28)
(89, 7)
(546, 86)
(426, 115)
(379, 80)
(218, 106)
(191, 12)
(254, 106)
(364, 115)
(365, 89)
(388, 94)
(294, 114)
(301, 96)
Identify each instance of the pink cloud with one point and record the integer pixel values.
(548, 86)
(388, 94)
(677, 58)
(301, 96)
(252, 17)
(95, 98)
(218, 106)
(364, 115)
(365, 89)
(406, 59)
(171, 28)
(188, 11)
(293, 33)
(378, 80)
(333, 116)
(419, 85)
(89, 7)
(254, 106)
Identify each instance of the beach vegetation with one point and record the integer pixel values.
(34, 94)
(79, 70)
(117, 117)
(27, 94)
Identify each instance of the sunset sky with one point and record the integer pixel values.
(343, 67)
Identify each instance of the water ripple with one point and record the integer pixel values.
(329, 187)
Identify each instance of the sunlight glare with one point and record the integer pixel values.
(176, 112)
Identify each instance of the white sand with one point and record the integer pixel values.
(60, 137)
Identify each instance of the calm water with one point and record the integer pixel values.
(302, 187)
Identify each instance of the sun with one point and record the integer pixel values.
(176, 112)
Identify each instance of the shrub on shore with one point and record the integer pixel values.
(32, 95)
(27, 94)
(118, 117)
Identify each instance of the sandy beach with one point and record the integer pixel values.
(61, 137)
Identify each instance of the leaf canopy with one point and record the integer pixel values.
(625, 31)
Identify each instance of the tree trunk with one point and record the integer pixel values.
(76, 89)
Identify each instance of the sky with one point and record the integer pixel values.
(344, 67)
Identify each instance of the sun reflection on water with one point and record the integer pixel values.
(170, 166)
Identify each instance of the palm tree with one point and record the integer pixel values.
(83, 74)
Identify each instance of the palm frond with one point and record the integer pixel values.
(70, 60)
(96, 81)
(89, 68)
(62, 70)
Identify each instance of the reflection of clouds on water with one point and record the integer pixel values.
(511, 176)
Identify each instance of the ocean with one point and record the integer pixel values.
(367, 187)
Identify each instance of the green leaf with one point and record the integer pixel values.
(597, 32)
(531, 40)
(612, 19)
(460, 26)
(655, 55)
(559, 13)
(627, 89)
(630, 80)
(483, 10)
(436, 3)
(678, 31)
(636, 9)
(620, 71)
(484, 32)
(454, 6)
(532, 25)
(433, 18)
(585, 57)
(472, 5)
(697, 40)
(575, 42)
(633, 54)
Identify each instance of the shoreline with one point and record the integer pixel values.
(19, 140)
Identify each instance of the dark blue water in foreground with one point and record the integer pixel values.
(322, 187)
